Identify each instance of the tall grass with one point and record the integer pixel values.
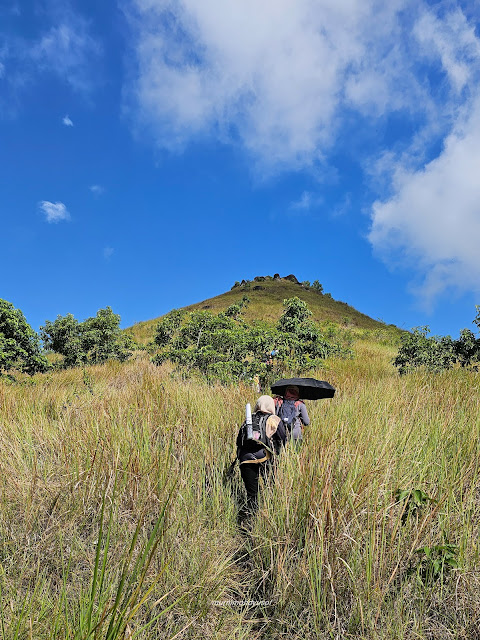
(116, 520)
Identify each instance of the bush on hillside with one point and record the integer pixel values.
(234, 310)
(437, 353)
(95, 340)
(295, 313)
(19, 344)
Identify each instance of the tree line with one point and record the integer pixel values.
(438, 353)
(94, 340)
(221, 346)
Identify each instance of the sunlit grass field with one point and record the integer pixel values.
(117, 519)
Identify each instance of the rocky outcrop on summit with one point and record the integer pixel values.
(276, 276)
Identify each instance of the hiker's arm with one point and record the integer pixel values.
(304, 415)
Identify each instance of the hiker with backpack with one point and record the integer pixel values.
(293, 413)
(259, 440)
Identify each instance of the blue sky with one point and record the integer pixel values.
(153, 152)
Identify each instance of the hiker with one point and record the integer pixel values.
(293, 413)
(255, 459)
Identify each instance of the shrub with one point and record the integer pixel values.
(436, 353)
(19, 344)
(234, 310)
(417, 349)
(63, 336)
(167, 327)
(224, 347)
(97, 339)
(294, 314)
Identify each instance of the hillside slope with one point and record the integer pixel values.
(266, 300)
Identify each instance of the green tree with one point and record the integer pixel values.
(418, 349)
(19, 344)
(103, 339)
(168, 326)
(295, 312)
(466, 348)
(225, 347)
(95, 340)
(317, 286)
(64, 336)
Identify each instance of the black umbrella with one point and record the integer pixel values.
(310, 389)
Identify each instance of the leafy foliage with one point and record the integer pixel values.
(417, 349)
(294, 315)
(413, 502)
(436, 353)
(64, 337)
(97, 339)
(227, 348)
(436, 562)
(19, 344)
(234, 310)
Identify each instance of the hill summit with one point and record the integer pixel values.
(266, 295)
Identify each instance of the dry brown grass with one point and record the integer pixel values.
(328, 548)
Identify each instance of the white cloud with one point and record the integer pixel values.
(66, 48)
(97, 189)
(453, 42)
(108, 252)
(432, 220)
(54, 211)
(306, 202)
(275, 75)
(67, 121)
(291, 80)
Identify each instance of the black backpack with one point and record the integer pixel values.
(260, 439)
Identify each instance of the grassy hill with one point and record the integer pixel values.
(266, 299)
(118, 519)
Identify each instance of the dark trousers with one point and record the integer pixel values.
(251, 473)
